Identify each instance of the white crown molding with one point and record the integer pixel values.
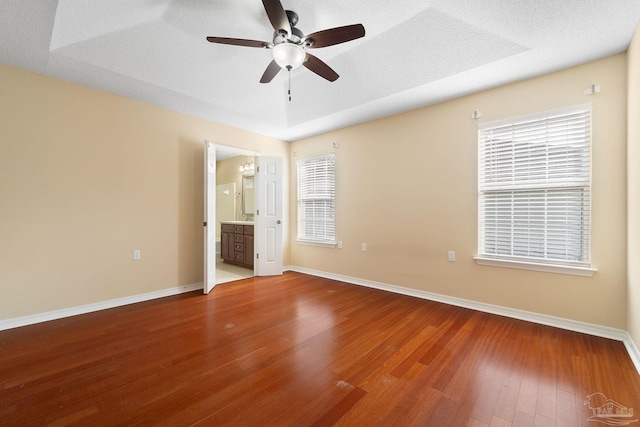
(17, 322)
(543, 319)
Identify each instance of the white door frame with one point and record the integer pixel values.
(209, 281)
(210, 275)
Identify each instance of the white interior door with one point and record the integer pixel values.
(268, 219)
(209, 217)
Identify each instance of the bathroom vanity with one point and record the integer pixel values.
(236, 243)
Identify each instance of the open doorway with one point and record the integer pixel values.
(243, 242)
(234, 212)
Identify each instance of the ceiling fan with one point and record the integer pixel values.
(290, 44)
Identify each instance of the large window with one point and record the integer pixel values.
(316, 199)
(534, 189)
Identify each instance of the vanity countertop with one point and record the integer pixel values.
(237, 222)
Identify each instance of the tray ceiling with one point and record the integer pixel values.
(415, 53)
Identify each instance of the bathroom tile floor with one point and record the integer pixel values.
(228, 272)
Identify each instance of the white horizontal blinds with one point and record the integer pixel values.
(316, 199)
(535, 188)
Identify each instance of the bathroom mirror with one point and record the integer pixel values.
(247, 195)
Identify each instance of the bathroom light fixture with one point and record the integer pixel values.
(246, 167)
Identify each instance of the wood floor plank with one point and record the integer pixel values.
(508, 400)
(415, 405)
(499, 422)
(300, 350)
(337, 411)
(547, 385)
(567, 414)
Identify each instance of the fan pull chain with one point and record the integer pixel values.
(289, 91)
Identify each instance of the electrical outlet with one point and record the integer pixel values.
(452, 256)
(136, 255)
(340, 244)
(364, 247)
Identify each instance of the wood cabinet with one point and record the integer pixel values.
(236, 244)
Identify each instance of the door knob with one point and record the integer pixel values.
(279, 222)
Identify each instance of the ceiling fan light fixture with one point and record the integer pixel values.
(289, 55)
(289, 43)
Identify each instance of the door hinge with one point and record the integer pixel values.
(258, 169)
(205, 224)
(258, 212)
(257, 256)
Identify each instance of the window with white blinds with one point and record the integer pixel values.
(316, 199)
(534, 188)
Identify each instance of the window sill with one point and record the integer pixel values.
(312, 243)
(548, 268)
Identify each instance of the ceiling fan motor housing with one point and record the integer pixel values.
(296, 34)
(292, 16)
(296, 37)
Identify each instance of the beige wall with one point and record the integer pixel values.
(86, 177)
(406, 185)
(633, 172)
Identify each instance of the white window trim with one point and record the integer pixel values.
(585, 270)
(537, 266)
(315, 243)
(308, 241)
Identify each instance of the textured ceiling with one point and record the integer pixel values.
(415, 53)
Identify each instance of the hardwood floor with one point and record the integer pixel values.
(299, 350)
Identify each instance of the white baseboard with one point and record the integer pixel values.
(572, 325)
(543, 319)
(632, 349)
(103, 305)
